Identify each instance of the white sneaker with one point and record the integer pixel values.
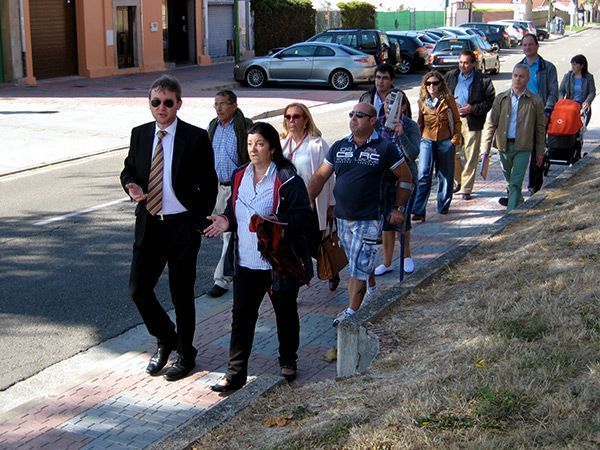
(409, 265)
(343, 316)
(381, 269)
(370, 295)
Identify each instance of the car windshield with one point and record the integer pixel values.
(452, 45)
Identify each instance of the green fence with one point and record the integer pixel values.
(409, 20)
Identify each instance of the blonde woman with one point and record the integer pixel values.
(439, 122)
(303, 145)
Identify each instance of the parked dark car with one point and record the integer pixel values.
(413, 54)
(542, 34)
(372, 42)
(309, 63)
(447, 52)
(496, 34)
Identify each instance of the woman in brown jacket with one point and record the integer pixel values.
(439, 122)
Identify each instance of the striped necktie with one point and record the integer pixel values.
(155, 183)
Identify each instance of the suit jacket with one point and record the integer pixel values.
(193, 171)
(481, 96)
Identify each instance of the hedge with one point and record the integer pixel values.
(357, 15)
(279, 23)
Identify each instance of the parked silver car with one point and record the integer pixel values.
(309, 62)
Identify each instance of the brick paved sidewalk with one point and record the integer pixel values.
(125, 408)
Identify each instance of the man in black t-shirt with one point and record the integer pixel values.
(359, 162)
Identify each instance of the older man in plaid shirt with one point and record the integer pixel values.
(228, 134)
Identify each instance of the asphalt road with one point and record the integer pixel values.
(66, 234)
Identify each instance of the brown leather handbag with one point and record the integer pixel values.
(331, 258)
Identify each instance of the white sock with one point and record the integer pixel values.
(350, 311)
(372, 289)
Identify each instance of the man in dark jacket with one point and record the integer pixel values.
(384, 84)
(474, 93)
(227, 133)
(543, 81)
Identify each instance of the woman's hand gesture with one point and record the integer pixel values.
(219, 225)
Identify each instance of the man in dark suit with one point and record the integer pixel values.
(474, 94)
(170, 172)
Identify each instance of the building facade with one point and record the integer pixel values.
(43, 39)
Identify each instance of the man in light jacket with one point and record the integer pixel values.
(517, 122)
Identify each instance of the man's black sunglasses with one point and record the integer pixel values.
(358, 114)
(155, 102)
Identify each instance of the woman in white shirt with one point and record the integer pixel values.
(303, 145)
(267, 190)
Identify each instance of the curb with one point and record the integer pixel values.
(358, 346)
(202, 424)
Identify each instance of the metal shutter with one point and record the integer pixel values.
(220, 29)
(53, 38)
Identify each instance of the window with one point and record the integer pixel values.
(324, 51)
(368, 41)
(301, 51)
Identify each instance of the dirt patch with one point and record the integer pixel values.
(501, 350)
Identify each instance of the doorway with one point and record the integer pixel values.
(126, 25)
(179, 31)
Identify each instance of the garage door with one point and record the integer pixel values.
(53, 38)
(220, 29)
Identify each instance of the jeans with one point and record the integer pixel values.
(439, 154)
(514, 165)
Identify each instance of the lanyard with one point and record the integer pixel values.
(289, 144)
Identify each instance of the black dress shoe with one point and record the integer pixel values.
(418, 218)
(216, 291)
(456, 188)
(225, 385)
(466, 197)
(180, 368)
(158, 360)
(503, 201)
(334, 282)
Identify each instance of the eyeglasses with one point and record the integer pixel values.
(358, 114)
(216, 105)
(155, 102)
(432, 83)
(293, 116)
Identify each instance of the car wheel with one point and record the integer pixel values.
(340, 79)
(540, 37)
(256, 77)
(405, 66)
(495, 46)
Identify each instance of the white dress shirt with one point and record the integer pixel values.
(170, 204)
(253, 199)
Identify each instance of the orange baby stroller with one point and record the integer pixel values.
(565, 134)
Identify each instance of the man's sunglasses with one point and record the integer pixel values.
(293, 116)
(358, 114)
(155, 102)
(432, 83)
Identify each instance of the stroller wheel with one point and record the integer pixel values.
(546, 165)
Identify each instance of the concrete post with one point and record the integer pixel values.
(357, 348)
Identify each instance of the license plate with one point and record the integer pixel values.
(451, 59)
